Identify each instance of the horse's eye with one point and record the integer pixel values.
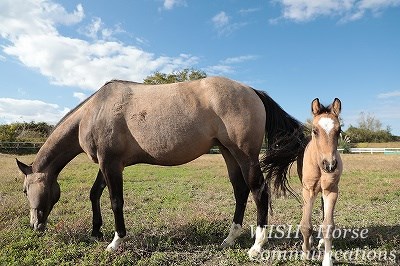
(315, 131)
(26, 194)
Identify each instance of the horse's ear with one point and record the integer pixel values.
(336, 106)
(315, 106)
(26, 169)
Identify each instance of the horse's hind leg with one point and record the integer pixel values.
(112, 172)
(241, 192)
(95, 194)
(255, 180)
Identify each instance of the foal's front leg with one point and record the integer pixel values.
(330, 198)
(305, 225)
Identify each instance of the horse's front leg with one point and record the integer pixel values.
(95, 194)
(330, 198)
(113, 177)
(305, 224)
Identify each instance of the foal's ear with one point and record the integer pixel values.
(26, 169)
(315, 107)
(336, 106)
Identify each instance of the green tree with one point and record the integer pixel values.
(176, 76)
(369, 129)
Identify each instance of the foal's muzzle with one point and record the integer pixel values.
(329, 166)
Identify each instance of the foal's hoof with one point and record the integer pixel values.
(321, 243)
(306, 255)
(327, 261)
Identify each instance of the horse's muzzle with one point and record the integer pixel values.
(329, 166)
(40, 227)
(37, 222)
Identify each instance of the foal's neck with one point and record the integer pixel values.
(60, 148)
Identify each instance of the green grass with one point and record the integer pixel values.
(180, 215)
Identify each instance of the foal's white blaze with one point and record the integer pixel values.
(115, 243)
(234, 232)
(261, 238)
(326, 124)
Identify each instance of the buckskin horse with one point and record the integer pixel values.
(125, 123)
(319, 169)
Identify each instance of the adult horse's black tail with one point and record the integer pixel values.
(285, 141)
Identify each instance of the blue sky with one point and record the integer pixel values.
(54, 53)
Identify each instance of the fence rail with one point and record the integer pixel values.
(32, 147)
(375, 150)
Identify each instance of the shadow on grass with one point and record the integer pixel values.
(200, 240)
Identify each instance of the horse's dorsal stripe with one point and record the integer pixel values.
(326, 124)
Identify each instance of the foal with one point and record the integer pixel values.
(320, 169)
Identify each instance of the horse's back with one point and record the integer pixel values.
(172, 123)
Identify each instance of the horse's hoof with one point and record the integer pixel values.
(226, 244)
(117, 241)
(97, 235)
(254, 253)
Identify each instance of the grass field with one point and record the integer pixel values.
(180, 215)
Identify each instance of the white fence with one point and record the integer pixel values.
(374, 150)
(352, 150)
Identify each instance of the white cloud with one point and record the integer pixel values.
(33, 38)
(20, 17)
(219, 70)
(80, 96)
(248, 11)
(238, 59)
(96, 30)
(14, 110)
(390, 94)
(345, 10)
(222, 23)
(225, 66)
(220, 20)
(170, 4)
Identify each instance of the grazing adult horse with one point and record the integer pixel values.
(319, 169)
(125, 123)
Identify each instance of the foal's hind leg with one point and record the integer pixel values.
(241, 192)
(95, 194)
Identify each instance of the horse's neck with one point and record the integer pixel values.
(60, 148)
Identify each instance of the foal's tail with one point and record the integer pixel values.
(285, 141)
